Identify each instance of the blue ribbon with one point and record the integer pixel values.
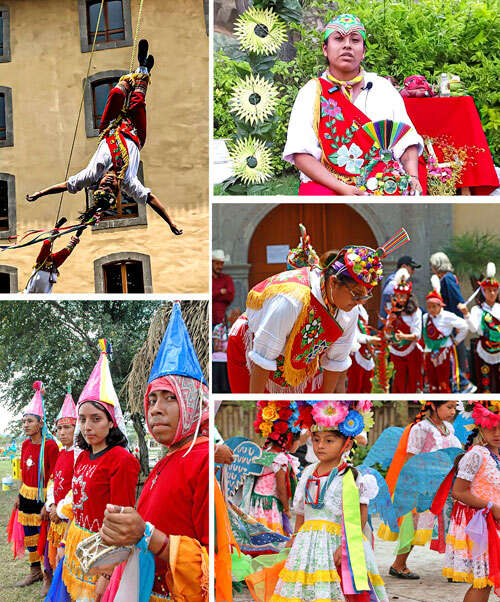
(146, 567)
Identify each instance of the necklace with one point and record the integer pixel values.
(331, 309)
(158, 472)
(495, 457)
(319, 501)
(444, 430)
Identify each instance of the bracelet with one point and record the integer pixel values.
(106, 576)
(163, 546)
(62, 546)
(412, 176)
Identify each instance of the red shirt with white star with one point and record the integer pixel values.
(30, 454)
(109, 478)
(63, 474)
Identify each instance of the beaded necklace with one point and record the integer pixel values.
(332, 310)
(495, 457)
(445, 431)
(320, 498)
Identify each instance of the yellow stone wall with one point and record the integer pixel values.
(46, 74)
(470, 217)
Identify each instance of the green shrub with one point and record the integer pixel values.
(404, 38)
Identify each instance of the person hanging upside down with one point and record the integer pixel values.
(113, 168)
(45, 270)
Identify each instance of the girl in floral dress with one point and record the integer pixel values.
(331, 504)
(430, 431)
(477, 494)
(273, 489)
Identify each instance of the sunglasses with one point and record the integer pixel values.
(357, 297)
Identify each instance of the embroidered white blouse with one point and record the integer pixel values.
(272, 324)
(379, 101)
(445, 322)
(473, 321)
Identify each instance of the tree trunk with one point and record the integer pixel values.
(143, 448)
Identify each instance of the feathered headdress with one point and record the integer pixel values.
(489, 281)
(402, 283)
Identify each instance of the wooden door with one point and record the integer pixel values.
(331, 226)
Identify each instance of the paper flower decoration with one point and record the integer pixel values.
(368, 420)
(253, 99)
(260, 31)
(364, 406)
(484, 417)
(251, 160)
(329, 413)
(352, 425)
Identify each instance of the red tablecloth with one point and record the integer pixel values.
(457, 118)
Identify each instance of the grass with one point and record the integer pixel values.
(286, 185)
(11, 570)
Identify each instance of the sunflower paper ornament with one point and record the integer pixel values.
(251, 160)
(260, 31)
(253, 99)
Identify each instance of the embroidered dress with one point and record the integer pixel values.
(108, 477)
(360, 372)
(265, 506)
(485, 321)
(287, 330)
(310, 574)
(407, 356)
(480, 469)
(63, 475)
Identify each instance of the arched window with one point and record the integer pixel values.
(7, 205)
(6, 123)
(4, 34)
(123, 273)
(114, 27)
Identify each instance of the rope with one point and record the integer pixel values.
(136, 36)
(81, 106)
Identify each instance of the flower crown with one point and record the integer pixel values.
(485, 413)
(277, 420)
(348, 417)
(363, 264)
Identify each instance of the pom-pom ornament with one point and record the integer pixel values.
(260, 31)
(254, 99)
(251, 160)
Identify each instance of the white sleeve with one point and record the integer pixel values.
(97, 167)
(400, 114)
(473, 320)
(469, 465)
(336, 358)
(461, 326)
(301, 137)
(368, 488)
(416, 325)
(417, 437)
(50, 495)
(271, 326)
(135, 190)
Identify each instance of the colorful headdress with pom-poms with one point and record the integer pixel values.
(484, 412)
(364, 264)
(348, 417)
(402, 282)
(435, 294)
(278, 421)
(489, 281)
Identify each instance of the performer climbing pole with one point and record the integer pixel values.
(113, 167)
(46, 268)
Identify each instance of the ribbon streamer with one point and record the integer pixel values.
(351, 513)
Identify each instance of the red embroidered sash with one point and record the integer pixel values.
(347, 149)
(490, 339)
(117, 147)
(399, 324)
(313, 332)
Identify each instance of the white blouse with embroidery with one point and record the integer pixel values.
(379, 101)
(272, 324)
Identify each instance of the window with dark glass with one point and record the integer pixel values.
(124, 277)
(100, 93)
(4, 282)
(1, 33)
(4, 205)
(111, 26)
(3, 129)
